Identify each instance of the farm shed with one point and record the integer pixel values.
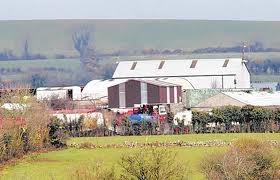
(196, 73)
(135, 91)
(72, 92)
(240, 99)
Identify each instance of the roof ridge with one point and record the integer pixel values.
(187, 59)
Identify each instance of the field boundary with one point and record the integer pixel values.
(179, 143)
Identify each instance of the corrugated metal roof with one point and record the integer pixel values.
(175, 68)
(256, 98)
(97, 89)
(57, 88)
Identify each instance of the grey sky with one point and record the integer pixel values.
(140, 9)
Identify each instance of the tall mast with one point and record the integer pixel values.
(243, 51)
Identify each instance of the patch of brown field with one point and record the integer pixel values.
(33, 158)
(45, 160)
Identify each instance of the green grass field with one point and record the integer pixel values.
(52, 37)
(66, 70)
(73, 66)
(60, 164)
(265, 78)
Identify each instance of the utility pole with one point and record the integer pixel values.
(243, 51)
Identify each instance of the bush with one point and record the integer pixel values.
(24, 127)
(236, 119)
(153, 164)
(246, 159)
(93, 170)
(57, 133)
(57, 103)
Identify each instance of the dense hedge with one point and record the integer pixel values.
(237, 119)
(26, 128)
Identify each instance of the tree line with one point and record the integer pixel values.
(253, 47)
(237, 119)
(271, 67)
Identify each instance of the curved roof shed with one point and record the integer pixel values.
(98, 89)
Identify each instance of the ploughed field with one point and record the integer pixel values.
(61, 163)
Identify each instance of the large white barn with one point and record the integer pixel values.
(229, 73)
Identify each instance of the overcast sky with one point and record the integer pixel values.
(140, 9)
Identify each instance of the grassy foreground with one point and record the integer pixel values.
(60, 164)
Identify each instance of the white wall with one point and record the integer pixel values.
(243, 77)
(205, 82)
(48, 94)
(59, 92)
(75, 117)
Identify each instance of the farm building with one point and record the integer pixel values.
(192, 73)
(240, 99)
(134, 92)
(72, 92)
(98, 89)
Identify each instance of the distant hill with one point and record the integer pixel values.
(50, 37)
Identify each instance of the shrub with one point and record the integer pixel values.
(246, 159)
(153, 164)
(57, 133)
(235, 119)
(57, 103)
(90, 123)
(92, 170)
(23, 127)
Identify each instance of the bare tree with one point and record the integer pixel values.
(214, 84)
(1, 83)
(26, 53)
(83, 41)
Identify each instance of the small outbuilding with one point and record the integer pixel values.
(47, 93)
(98, 89)
(135, 91)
